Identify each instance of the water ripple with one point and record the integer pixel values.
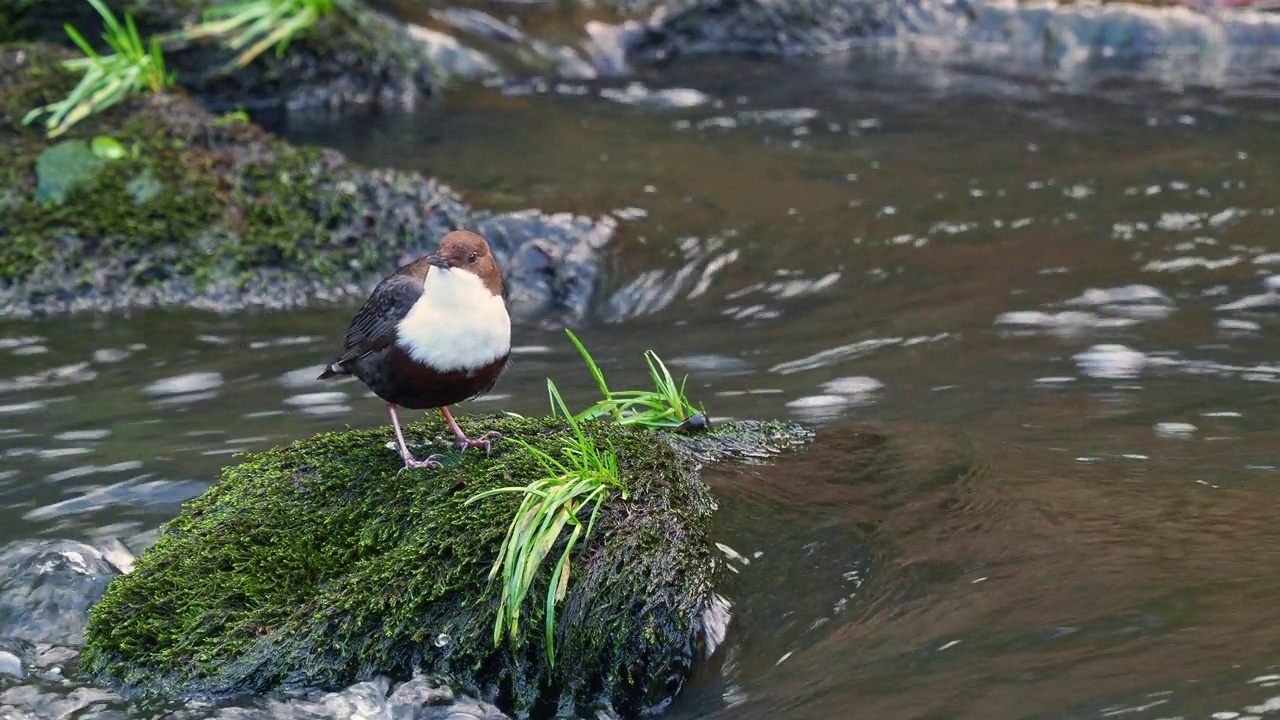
(184, 385)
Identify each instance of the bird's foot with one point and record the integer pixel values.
(463, 442)
(432, 461)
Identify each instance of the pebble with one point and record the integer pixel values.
(11, 665)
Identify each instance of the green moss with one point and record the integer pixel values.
(354, 53)
(315, 565)
(224, 200)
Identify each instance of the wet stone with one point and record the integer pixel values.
(28, 701)
(52, 657)
(415, 698)
(10, 664)
(466, 710)
(47, 588)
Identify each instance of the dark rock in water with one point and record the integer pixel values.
(553, 257)
(1220, 48)
(745, 440)
(239, 218)
(757, 27)
(316, 565)
(47, 588)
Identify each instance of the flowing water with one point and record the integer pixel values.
(1033, 324)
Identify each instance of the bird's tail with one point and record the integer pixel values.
(333, 369)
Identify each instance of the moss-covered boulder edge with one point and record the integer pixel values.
(314, 566)
(211, 211)
(357, 56)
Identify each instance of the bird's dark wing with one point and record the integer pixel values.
(373, 327)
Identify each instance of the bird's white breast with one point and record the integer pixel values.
(457, 323)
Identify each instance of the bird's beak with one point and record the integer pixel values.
(439, 261)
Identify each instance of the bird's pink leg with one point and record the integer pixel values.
(463, 442)
(409, 462)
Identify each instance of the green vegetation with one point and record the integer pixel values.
(555, 500)
(249, 28)
(209, 206)
(134, 66)
(252, 26)
(550, 503)
(664, 407)
(313, 565)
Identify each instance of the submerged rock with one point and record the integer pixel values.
(317, 565)
(47, 588)
(234, 217)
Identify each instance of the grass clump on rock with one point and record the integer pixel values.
(581, 475)
(665, 407)
(314, 566)
(131, 67)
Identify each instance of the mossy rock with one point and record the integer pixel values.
(211, 211)
(316, 566)
(355, 56)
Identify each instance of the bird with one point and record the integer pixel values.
(433, 333)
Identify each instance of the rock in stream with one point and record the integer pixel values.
(211, 211)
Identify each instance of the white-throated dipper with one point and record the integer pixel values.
(433, 333)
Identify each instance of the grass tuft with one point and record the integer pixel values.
(664, 407)
(253, 26)
(249, 27)
(583, 476)
(132, 67)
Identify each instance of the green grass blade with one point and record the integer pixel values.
(79, 40)
(556, 590)
(592, 367)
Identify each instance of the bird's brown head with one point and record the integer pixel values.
(465, 251)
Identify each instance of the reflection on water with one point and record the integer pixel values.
(1038, 332)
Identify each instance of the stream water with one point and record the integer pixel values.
(1053, 305)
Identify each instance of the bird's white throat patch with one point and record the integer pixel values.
(457, 323)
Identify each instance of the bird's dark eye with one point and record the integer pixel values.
(471, 258)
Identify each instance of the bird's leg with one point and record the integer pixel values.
(463, 442)
(409, 462)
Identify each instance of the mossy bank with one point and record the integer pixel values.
(315, 566)
(209, 210)
(356, 56)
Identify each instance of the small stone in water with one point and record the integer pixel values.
(11, 665)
